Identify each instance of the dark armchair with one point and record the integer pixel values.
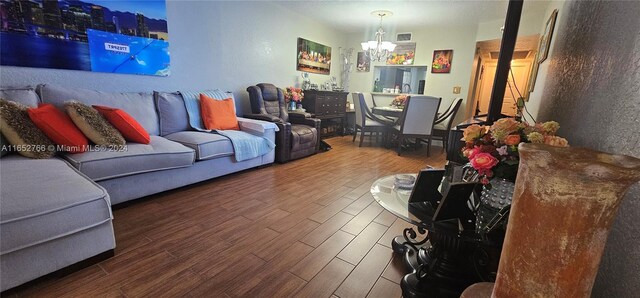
(298, 135)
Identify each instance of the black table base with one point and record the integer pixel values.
(441, 265)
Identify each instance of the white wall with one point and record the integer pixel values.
(460, 39)
(535, 97)
(226, 45)
(529, 25)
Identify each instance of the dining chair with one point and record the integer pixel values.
(366, 121)
(444, 122)
(371, 103)
(418, 120)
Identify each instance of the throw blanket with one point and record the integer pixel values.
(245, 145)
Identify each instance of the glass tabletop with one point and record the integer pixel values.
(393, 199)
(396, 201)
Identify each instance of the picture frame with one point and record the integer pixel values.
(403, 54)
(442, 61)
(534, 69)
(118, 37)
(364, 63)
(543, 50)
(313, 57)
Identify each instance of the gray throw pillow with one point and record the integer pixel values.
(172, 112)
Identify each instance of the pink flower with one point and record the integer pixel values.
(483, 162)
(471, 152)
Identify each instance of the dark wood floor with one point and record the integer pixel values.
(308, 228)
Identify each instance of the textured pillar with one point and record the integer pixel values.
(564, 203)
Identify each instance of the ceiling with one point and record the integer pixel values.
(355, 16)
(523, 44)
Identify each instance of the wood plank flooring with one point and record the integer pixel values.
(308, 228)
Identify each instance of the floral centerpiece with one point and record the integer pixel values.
(493, 151)
(293, 94)
(399, 101)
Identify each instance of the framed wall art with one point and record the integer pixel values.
(403, 54)
(313, 57)
(534, 69)
(442, 61)
(543, 50)
(95, 35)
(364, 63)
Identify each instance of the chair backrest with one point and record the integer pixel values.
(368, 98)
(268, 99)
(361, 108)
(450, 114)
(419, 115)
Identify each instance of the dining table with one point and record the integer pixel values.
(388, 111)
(391, 111)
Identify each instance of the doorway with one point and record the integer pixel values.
(517, 84)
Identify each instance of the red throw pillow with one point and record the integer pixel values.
(59, 128)
(218, 114)
(130, 129)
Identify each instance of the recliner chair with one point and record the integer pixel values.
(298, 136)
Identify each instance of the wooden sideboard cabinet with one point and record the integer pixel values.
(328, 106)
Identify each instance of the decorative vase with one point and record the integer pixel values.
(292, 105)
(564, 203)
(492, 201)
(299, 106)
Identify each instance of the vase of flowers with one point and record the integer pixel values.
(493, 154)
(293, 96)
(399, 101)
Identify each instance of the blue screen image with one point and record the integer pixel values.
(118, 53)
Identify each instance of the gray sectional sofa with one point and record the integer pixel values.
(57, 212)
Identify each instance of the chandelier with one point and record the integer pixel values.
(378, 50)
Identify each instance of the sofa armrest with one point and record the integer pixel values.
(313, 122)
(263, 117)
(256, 126)
(296, 115)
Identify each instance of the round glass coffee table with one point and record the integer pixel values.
(442, 257)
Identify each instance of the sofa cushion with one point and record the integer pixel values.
(206, 145)
(24, 95)
(139, 105)
(302, 133)
(160, 154)
(43, 200)
(172, 112)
